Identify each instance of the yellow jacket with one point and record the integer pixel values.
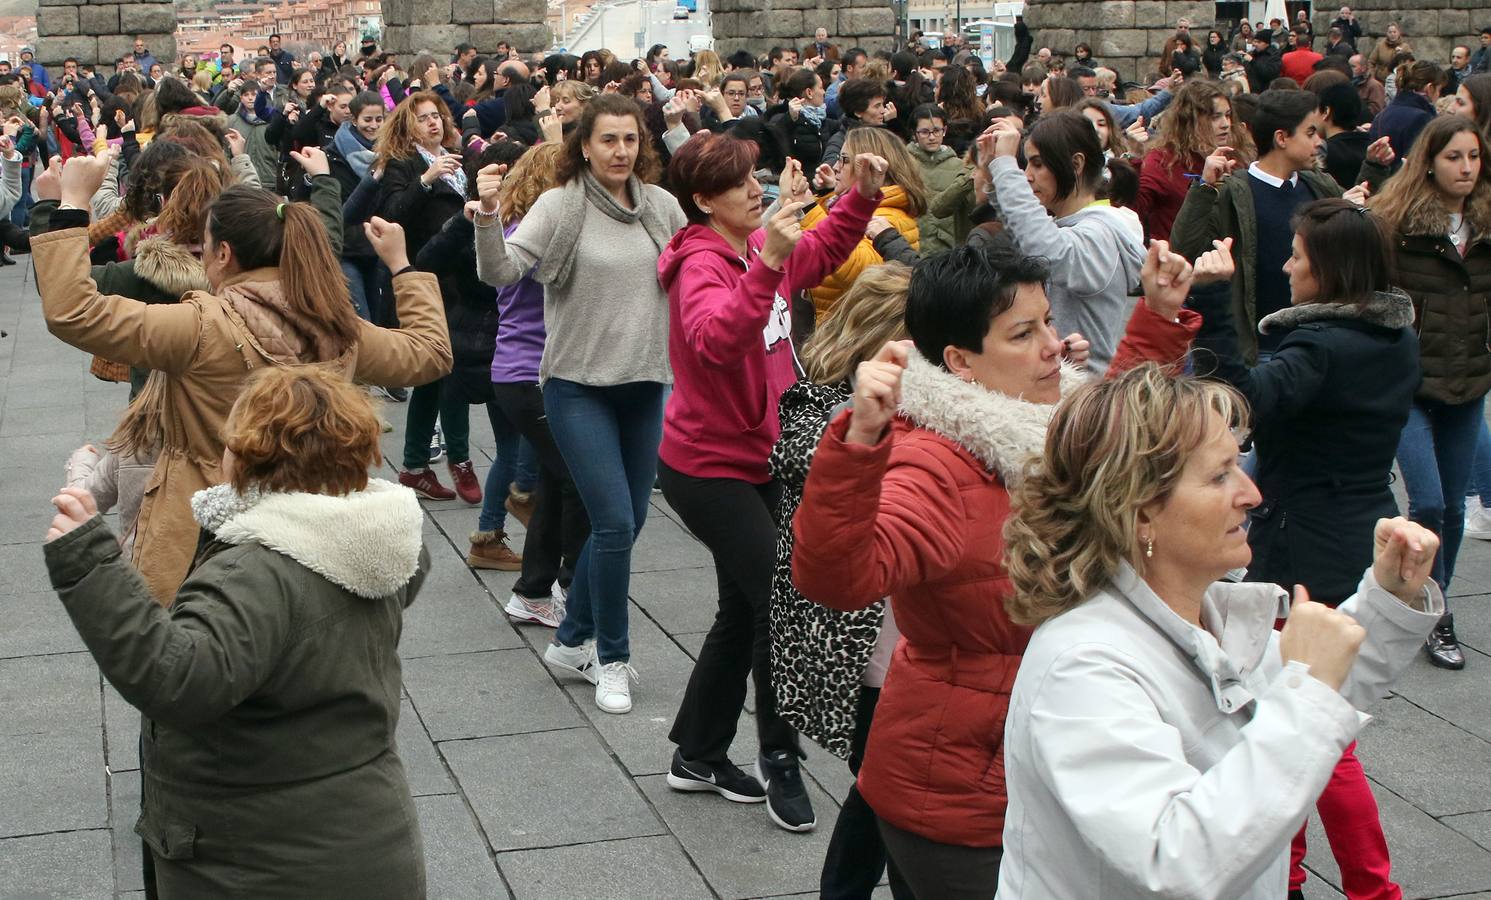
(893, 208)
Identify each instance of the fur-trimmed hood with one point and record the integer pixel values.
(1002, 432)
(1386, 309)
(1428, 217)
(169, 266)
(367, 542)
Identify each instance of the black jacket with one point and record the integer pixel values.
(421, 210)
(470, 306)
(1344, 155)
(801, 139)
(1327, 412)
(1450, 295)
(1264, 68)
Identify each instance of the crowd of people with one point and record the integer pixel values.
(1041, 427)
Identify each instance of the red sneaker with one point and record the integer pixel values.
(464, 477)
(425, 484)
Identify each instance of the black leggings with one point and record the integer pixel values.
(856, 855)
(944, 871)
(736, 520)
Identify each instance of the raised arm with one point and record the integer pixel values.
(418, 351)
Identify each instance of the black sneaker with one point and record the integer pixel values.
(1443, 647)
(786, 798)
(724, 778)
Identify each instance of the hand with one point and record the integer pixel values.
(869, 174)
(235, 141)
(488, 183)
(640, 65)
(387, 239)
(782, 234)
(878, 224)
(1164, 84)
(1076, 349)
(1166, 277)
(716, 102)
(877, 393)
(13, 126)
(794, 108)
(1381, 152)
(611, 87)
(673, 110)
(825, 178)
(1137, 132)
(890, 111)
(312, 159)
(292, 114)
(235, 84)
(47, 184)
(1403, 553)
(447, 164)
(1001, 140)
(1214, 265)
(7, 146)
(541, 98)
(553, 129)
(1322, 638)
(793, 184)
(75, 507)
(82, 176)
(1358, 194)
(1219, 165)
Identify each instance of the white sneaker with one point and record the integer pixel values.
(1477, 520)
(560, 595)
(613, 692)
(545, 612)
(581, 660)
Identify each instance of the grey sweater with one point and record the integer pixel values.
(608, 323)
(1095, 258)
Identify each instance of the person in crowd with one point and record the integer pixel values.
(1115, 142)
(423, 186)
(862, 102)
(1439, 209)
(1057, 93)
(1412, 108)
(1051, 210)
(350, 154)
(1368, 87)
(569, 99)
(1299, 63)
(230, 681)
(1129, 769)
(940, 166)
(1200, 121)
(276, 298)
(1345, 144)
(1388, 47)
(1473, 100)
(593, 244)
(1214, 52)
(963, 110)
(1266, 63)
(730, 344)
(1341, 382)
(1256, 206)
(1337, 46)
(903, 201)
(801, 118)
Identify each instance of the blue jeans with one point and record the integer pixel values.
(609, 438)
(21, 212)
(1480, 470)
(362, 281)
(504, 463)
(1435, 455)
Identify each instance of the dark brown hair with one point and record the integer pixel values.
(1058, 137)
(301, 428)
(709, 164)
(1350, 250)
(646, 167)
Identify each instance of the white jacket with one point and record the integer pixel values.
(1149, 758)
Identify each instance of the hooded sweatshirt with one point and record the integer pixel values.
(1095, 258)
(729, 339)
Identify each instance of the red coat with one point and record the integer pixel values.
(1162, 191)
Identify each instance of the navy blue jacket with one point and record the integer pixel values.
(1402, 120)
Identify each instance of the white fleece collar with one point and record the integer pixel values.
(1002, 432)
(367, 542)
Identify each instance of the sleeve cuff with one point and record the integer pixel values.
(71, 557)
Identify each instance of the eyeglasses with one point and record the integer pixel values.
(736, 94)
(930, 132)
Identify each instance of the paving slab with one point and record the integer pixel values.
(458, 865)
(423, 767)
(636, 867)
(37, 624)
(121, 730)
(73, 865)
(682, 601)
(1455, 779)
(124, 811)
(52, 744)
(1476, 826)
(468, 695)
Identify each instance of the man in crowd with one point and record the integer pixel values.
(1299, 63)
(284, 61)
(1374, 96)
(142, 55)
(1337, 45)
(1266, 63)
(1480, 62)
(853, 60)
(1459, 67)
(1351, 29)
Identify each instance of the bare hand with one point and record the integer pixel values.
(235, 141)
(825, 178)
(1076, 349)
(794, 184)
(869, 174)
(47, 184)
(1320, 637)
(312, 159)
(75, 507)
(553, 129)
(782, 234)
(794, 108)
(1358, 194)
(387, 239)
(82, 176)
(890, 111)
(1166, 277)
(488, 183)
(1215, 265)
(447, 164)
(541, 98)
(1403, 553)
(877, 225)
(1137, 132)
(877, 393)
(1381, 152)
(1219, 165)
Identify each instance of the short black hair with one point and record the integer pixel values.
(360, 102)
(1280, 111)
(955, 295)
(1076, 72)
(1344, 103)
(852, 57)
(273, 36)
(741, 59)
(858, 93)
(928, 111)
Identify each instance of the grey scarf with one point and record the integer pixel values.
(558, 259)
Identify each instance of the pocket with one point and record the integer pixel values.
(167, 839)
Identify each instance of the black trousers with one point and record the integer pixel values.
(736, 520)
(559, 526)
(856, 854)
(944, 871)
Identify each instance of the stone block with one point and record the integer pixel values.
(814, 12)
(395, 13)
(435, 38)
(1116, 14)
(1456, 24)
(430, 12)
(124, 810)
(73, 864)
(57, 20)
(456, 860)
(1157, 40)
(53, 779)
(784, 23)
(466, 695)
(142, 18)
(1200, 14)
(61, 2)
(1121, 42)
(110, 48)
(867, 21)
(530, 38)
(639, 867)
(98, 19)
(1150, 14)
(471, 12)
(1399, 735)
(1418, 24)
(396, 39)
(422, 765)
(733, 6)
(521, 12)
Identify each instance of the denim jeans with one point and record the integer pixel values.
(1435, 455)
(21, 212)
(1480, 470)
(362, 281)
(504, 462)
(609, 438)
(526, 472)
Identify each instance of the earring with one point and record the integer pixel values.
(707, 212)
(1148, 547)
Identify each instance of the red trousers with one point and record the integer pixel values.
(1349, 813)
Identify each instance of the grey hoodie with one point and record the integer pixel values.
(1095, 257)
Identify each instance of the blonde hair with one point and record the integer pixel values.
(871, 312)
(1112, 447)
(904, 171)
(576, 90)
(535, 172)
(875, 69)
(707, 68)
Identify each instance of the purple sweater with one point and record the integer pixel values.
(520, 329)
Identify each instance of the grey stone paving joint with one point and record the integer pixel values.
(524, 789)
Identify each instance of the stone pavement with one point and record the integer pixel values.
(524, 788)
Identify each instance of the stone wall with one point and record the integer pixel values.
(758, 25)
(1129, 35)
(413, 26)
(98, 32)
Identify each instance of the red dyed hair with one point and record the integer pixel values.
(709, 164)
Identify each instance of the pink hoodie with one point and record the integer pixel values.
(730, 339)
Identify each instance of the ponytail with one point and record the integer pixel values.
(184, 214)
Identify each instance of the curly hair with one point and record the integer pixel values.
(1186, 132)
(396, 140)
(871, 312)
(302, 428)
(535, 172)
(1112, 447)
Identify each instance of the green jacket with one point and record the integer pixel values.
(1214, 213)
(939, 170)
(269, 689)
